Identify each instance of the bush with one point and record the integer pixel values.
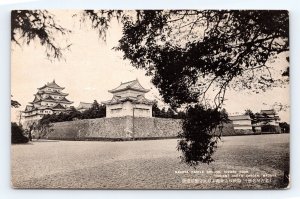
(17, 134)
(200, 134)
(285, 127)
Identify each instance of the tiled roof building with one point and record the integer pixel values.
(129, 100)
(267, 117)
(48, 100)
(241, 121)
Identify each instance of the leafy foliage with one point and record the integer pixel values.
(199, 138)
(157, 112)
(100, 19)
(17, 134)
(185, 51)
(17, 131)
(285, 127)
(96, 111)
(188, 51)
(14, 103)
(28, 25)
(250, 113)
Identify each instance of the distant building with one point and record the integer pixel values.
(268, 117)
(129, 100)
(48, 100)
(83, 106)
(267, 121)
(241, 122)
(264, 121)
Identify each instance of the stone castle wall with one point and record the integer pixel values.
(126, 128)
(115, 128)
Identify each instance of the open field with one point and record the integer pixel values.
(151, 164)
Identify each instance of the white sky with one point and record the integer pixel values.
(91, 68)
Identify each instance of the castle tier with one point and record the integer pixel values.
(48, 100)
(129, 100)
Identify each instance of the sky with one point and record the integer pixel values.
(91, 67)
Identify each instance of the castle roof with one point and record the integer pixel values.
(131, 85)
(48, 98)
(239, 117)
(268, 112)
(38, 98)
(28, 108)
(52, 84)
(138, 100)
(65, 100)
(58, 106)
(52, 92)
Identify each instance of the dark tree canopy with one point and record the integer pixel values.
(232, 43)
(188, 51)
(96, 111)
(162, 113)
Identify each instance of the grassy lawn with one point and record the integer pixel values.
(151, 164)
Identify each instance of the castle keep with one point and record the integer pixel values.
(48, 100)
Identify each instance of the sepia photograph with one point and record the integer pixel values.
(150, 99)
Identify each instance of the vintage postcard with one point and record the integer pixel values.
(150, 99)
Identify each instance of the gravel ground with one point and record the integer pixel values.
(151, 164)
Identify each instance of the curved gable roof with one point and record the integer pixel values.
(134, 85)
(58, 106)
(52, 84)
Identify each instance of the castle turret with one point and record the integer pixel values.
(129, 100)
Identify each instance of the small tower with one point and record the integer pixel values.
(129, 100)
